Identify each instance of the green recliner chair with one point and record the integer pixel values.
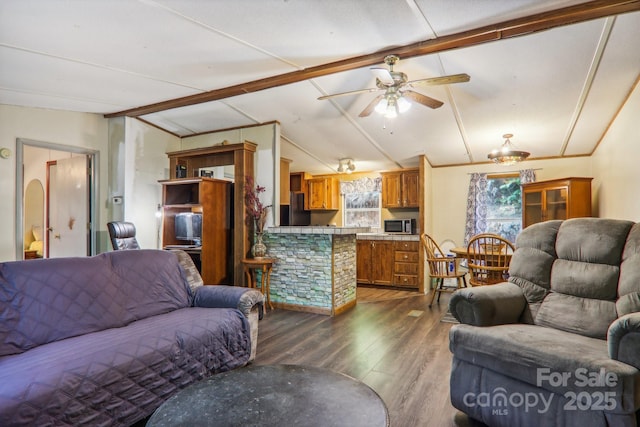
(559, 343)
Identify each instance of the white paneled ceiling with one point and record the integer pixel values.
(556, 90)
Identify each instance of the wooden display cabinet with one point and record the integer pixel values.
(240, 155)
(211, 198)
(400, 189)
(555, 199)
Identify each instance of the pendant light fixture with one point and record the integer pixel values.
(507, 155)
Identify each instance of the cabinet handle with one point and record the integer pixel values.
(405, 280)
(405, 257)
(398, 201)
(373, 244)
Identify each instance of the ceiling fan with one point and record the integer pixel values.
(398, 96)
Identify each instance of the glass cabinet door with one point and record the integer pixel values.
(556, 203)
(532, 208)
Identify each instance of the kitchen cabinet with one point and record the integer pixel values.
(322, 194)
(405, 266)
(211, 198)
(556, 199)
(400, 189)
(298, 181)
(374, 262)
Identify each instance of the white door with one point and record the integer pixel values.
(69, 207)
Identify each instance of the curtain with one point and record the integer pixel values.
(362, 185)
(527, 176)
(476, 202)
(476, 206)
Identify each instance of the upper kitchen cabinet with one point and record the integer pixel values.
(400, 189)
(298, 182)
(322, 194)
(555, 199)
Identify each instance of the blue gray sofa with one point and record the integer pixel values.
(559, 343)
(105, 340)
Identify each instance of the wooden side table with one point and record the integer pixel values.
(264, 265)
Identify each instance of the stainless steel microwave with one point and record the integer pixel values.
(404, 226)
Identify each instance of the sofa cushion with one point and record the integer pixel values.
(525, 352)
(51, 299)
(192, 275)
(118, 376)
(572, 285)
(629, 286)
(152, 281)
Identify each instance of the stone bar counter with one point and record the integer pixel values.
(315, 268)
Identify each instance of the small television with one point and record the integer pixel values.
(189, 227)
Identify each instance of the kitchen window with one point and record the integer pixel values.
(361, 202)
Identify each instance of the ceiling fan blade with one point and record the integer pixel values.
(371, 106)
(444, 80)
(422, 99)
(353, 92)
(383, 75)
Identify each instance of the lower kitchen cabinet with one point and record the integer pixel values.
(374, 264)
(388, 263)
(405, 266)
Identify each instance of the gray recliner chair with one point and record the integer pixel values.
(123, 235)
(559, 343)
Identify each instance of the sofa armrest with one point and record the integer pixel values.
(623, 339)
(222, 296)
(488, 305)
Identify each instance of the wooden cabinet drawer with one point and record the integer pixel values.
(406, 268)
(406, 280)
(401, 256)
(404, 245)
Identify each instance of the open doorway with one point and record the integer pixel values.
(69, 177)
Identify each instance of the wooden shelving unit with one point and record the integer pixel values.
(241, 156)
(211, 198)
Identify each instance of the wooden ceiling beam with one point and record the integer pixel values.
(507, 29)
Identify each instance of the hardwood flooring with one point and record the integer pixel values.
(391, 341)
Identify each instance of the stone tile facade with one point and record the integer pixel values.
(313, 270)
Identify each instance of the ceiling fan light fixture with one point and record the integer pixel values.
(392, 109)
(381, 108)
(507, 155)
(403, 105)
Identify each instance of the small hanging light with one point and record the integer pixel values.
(507, 155)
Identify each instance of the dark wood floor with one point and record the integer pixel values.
(391, 341)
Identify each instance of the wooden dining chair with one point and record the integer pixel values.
(488, 257)
(442, 267)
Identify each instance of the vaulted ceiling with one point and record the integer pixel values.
(553, 73)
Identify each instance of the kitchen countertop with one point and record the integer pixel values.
(362, 233)
(316, 230)
(388, 236)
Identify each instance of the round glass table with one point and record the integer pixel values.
(274, 395)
